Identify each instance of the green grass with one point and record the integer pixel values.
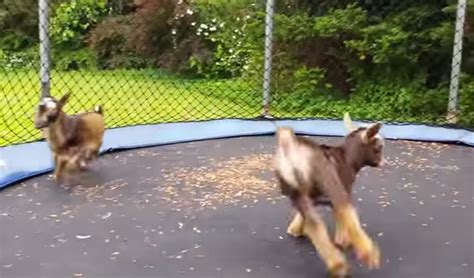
(129, 97)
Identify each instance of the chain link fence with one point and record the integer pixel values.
(158, 61)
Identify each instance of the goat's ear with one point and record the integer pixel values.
(349, 125)
(373, 129)
(64, 99)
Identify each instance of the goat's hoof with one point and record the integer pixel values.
(83, 167)
(294, 231)
(343, 246)
(340, 269)
(342, 242)
(369, 254)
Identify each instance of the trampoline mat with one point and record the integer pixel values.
(212, 209)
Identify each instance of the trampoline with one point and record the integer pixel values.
(212, 209)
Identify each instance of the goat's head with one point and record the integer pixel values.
(48, 110)
(364, 145)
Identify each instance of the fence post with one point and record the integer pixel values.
(452, 115)
(268, 57)
(43, 11)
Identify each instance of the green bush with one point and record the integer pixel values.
(209, 43)
(26, 59)
(81, 59)
(466, 101)
(13, 41)
(109, 42)
(73, 20)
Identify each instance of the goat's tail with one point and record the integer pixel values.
(98, 109)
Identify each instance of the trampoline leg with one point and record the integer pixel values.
(296, 226)
(366, 250)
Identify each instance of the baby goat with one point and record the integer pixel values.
(74, 140)
(310, 173)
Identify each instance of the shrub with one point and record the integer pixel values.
(73, 20)
(15, 41)
(466, 101)
(26, 59)
(109, 42)
(214, 44)
(67, 60)
(151, 34)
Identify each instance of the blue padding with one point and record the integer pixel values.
(26, 160)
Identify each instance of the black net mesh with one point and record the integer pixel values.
(156, 61)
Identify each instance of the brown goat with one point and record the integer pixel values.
(310, 173)
(75, 140)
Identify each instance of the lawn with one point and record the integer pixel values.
(129, 97)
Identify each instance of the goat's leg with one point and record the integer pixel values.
(348, 219)
(296, 225)
(59, 168)
(315, 229)
(88, 156)
(56, 163)
(366, 250)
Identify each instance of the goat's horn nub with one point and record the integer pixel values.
(348, 123)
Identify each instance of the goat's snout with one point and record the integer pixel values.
(39, 124)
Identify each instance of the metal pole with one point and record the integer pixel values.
(44, 47)
(268, 57)
(452, 115)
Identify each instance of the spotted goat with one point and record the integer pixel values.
(74, 140)
(312, 174)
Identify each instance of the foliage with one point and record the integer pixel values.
(151, 34)
(225, 37)
(109, 41)
(206, 42)
(466, 101)
(69, 60)
(27, 59)
(73, 20)
(18, 24)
